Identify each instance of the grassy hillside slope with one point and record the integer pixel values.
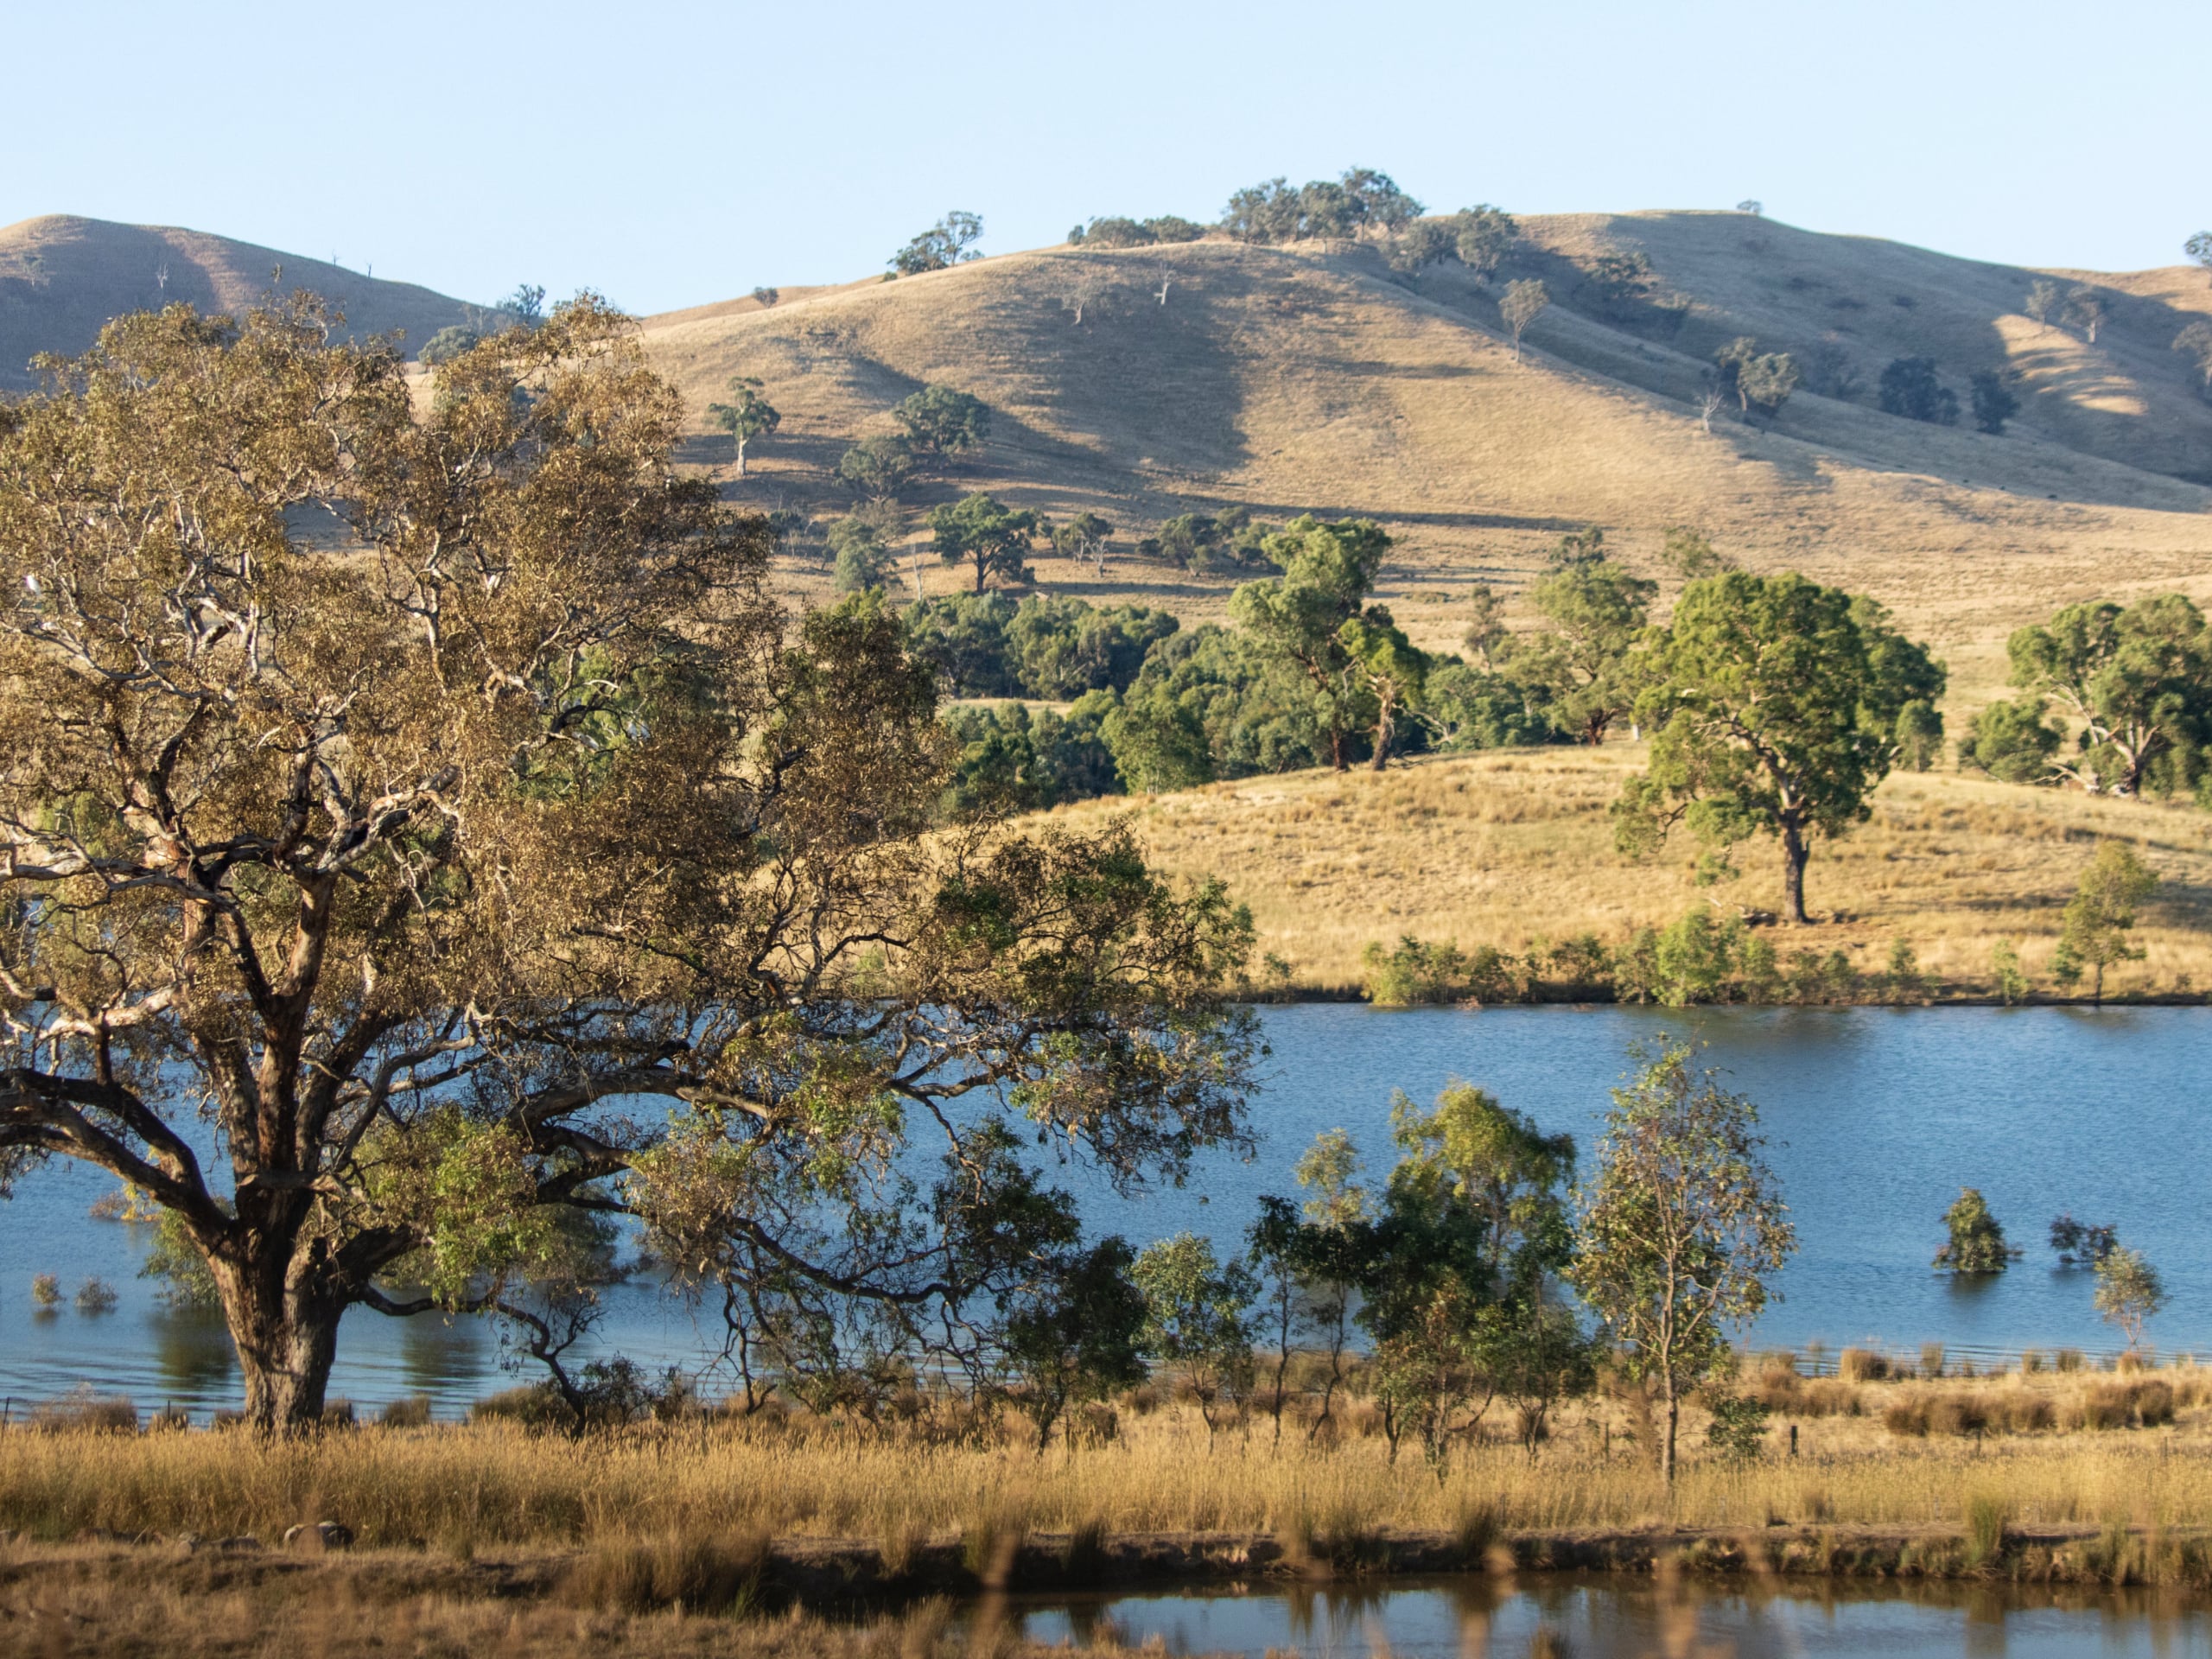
(1506, 847)
(1303, 379)
(61, 278)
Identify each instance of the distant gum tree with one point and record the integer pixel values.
(992, 538)
(1524, 302)
(1974, 1240)
(2136, 681)
(1774, 707)
(1680, 1231)
(2199, 249)
(948, 242)
(748, 416)
(2129, 1292)
(1994, 401)
(2085, 309)
(2092, 932)
(1328, 571)
(2041, 304)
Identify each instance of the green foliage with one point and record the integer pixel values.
(445, 345)
(1362, 202)
(993, 538)
(1198, 1321)
(1619, 283)
(1114, 233)
(1390, 670)
(2129, 1292)
(1415, 974)
(948, 242)
(1468, 709)
(748, 416)
(1228, 543)
(1582, 667)
(2005, 969)
(1909, 388)
(1919, 736)
(1690, 553)
(1083, 538)
(2012, 742)
(1903, 982)
(1757, 380)
(987, 645)
(1737, 1432)
(940, 421)
(879, 468)
(1993, 400)
(862, 559)
(1012, 759)
(1329, 569)
(1210, 703)
(1695, 955)
(2092, 932)
(1773, 705)
(179, 1263)
(1976, 1244)
(1524, 301)
(1078, 1336)
(1682, 1228)
(2138, 679)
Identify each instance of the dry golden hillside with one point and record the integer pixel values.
(1299, 380)
(1503, 848)
(61, 278)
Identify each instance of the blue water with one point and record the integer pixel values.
(1472, 1618)
(1876, 1118)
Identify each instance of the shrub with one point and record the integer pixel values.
(1861, 1365)
(1415, 974)
(680, 1574)
(96, 1296)
(46, 1292)
(1909, 388)
(2068, 1360)
(409, 1411)
(1988, 1517)
(82, 1411)
(1977, 1244)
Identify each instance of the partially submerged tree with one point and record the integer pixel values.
(1774, 706)
(748, 416)
(1974, 1244)
(1681, 1230)
(522, 856)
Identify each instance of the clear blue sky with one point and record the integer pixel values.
(670, 153)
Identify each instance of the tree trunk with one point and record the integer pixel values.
(740, 457)
(284, 1325)
(1795, 852)
(1339, 746)
(1666, 1445)
(1383, 737)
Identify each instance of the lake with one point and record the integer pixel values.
(1632, 1618)
(1875, 1118)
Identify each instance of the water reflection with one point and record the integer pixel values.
(1476, 1615)
(192, 1353)
(437, 1355)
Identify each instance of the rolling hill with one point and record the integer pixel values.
(1147, 382)
(61, 278)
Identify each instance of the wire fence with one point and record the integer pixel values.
(1971, 1359)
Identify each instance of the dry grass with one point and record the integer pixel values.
(2033, 1442)
(1501, 848)
(1292, 379)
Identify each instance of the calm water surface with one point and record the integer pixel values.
(1876, 1118)
(1614, 1619)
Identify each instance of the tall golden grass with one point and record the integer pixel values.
(1505, 847)
(462, 1489)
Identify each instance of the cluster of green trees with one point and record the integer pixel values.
(951, 241)
(2129, 685)
(1117, 232)
(1462, 1280)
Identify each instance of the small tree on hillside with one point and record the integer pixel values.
(746, 416)
(940, 421)
(1774, 706)
(766, 297)
(2043, 303)
(1681, 1230)
(879, 468)
(2092, 933)
(1909, 388)
(1975, 1244)
(2085, 309)
(993, 538)
(1760, 380)
(948, 242)
(2129, 1292)
(1993, 401)
(2195, 342)
(2199, 248)
(1083, 537)
(1524, 302)
(1482, 235)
